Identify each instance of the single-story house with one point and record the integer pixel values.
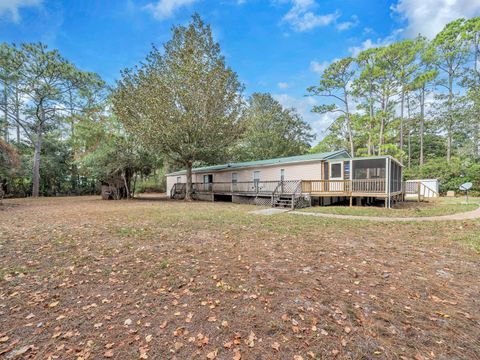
(294, 181)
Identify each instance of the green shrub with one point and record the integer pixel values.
(449, 174)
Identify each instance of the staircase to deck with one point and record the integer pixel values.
(178, 191)
(287, 194)
(283, 201)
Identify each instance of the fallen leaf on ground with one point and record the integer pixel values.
(237, 354)
(212, 355)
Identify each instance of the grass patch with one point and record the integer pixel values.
(442, 206)
(180, 272)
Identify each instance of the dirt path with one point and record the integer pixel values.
(469, 215)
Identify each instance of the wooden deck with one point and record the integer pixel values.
(294, 192)
(321, 188)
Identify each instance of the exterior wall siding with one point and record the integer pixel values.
(304, 171)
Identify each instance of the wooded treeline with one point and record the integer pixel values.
(64, 131)
(417, 100)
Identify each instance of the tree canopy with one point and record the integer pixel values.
(271, 131)
(408, 92)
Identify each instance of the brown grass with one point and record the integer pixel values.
(74, 270)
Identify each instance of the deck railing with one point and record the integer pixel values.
(256, 187)
(417, 187)
(364, 186)
(274, 188)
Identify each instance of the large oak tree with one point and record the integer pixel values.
(183, 101)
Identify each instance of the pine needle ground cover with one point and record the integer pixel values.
(82, 278)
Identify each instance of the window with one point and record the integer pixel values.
(207, 179)
(336, 171)
(234, 178)
(179, 179)
(282, 174)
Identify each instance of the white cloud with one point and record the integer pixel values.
(322, 123)
(318, 67)
(348, 24)
(163, 9)
(283, 85)
(369, 43)
(11, 8)
(304, 105)
(428, 17)
(302, 18)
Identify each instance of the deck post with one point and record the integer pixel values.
(387, 182)
(351, 200)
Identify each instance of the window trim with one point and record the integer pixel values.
(341, 170)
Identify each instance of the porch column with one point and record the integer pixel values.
(387, 182)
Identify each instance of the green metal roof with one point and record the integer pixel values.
(284, 160)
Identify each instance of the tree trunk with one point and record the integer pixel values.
(369, 144)
(409, 140)
(402, 102)
(450, 118)
(476, 128)
(125, 183)
(38, 152)
(188, 190)
(36, 164)
(5, 112)
(349, 125)
(382, 126)
(17, 113)
(409, 148)
(422, 123)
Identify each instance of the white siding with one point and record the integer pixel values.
(311, 170)
(171, 180)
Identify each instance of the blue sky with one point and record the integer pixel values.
(276, 46)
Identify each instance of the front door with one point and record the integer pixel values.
(208, 180)
(336, 183)
(256, 180)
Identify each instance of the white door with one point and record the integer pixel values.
(256, 180)
(336, 183)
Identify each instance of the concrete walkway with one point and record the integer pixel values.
(469, 215)
(269, 211)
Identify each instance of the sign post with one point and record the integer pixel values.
(465, 187)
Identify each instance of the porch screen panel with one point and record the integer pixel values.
(346, 170)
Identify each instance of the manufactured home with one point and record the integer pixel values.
(296, 181)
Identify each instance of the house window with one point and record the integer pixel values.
(234, 178)
(336, 171)
(179, 179)
(282, 174)
(207, 179)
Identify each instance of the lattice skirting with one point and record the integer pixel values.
(302, 202)
(252, 200)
